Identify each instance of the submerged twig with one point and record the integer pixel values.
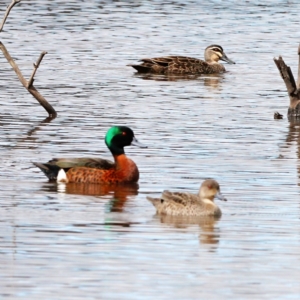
(35, 67)
(9, 7)
(31, 89)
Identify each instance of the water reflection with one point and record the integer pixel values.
(36, 128)
(208, 233)
(224, 132)
(212, 81)
(119, 193)
(294, 136)
(293, 133)
(30, 136)
(167, 77)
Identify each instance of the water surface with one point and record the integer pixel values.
(94, 242)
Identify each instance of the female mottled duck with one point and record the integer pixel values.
(187, 204)
(98, 170)
(186, 65)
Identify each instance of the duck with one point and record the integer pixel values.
(98, 170)
(182, 65)
(188, 204)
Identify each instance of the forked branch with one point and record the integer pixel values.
(28, 85)
(31, 89)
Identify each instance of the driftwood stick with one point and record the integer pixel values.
(292, 89)
(35, 67)
(51, 111)
(11, 5)
(286, 75)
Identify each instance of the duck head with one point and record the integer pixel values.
(118, 137)
(210, 189)
(214, 53)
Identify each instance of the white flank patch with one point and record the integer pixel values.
(62, 176)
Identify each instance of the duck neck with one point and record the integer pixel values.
(208, 201)
(127, 167)
(115, 150)
(209, 204)
(212, 62)
(203, 196)
(121, 161)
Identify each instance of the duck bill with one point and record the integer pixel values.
(225, 58)
(220, 197)
(135, 142)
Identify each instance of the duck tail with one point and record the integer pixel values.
(51, 171)
(155, 201)
(141, 68)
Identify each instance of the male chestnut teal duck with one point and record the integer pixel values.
(187, 204)
(186, 65)
(98, 170)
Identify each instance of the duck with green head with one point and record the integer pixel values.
(98, 170)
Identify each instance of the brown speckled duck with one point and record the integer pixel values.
(187, 204)
(98, 170)
(186, 65)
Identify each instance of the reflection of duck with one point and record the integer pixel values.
(187, 204)
(207, 235)
(167, 77)
(97, 170)
(186, 65)
(212, 81)
(118, 194)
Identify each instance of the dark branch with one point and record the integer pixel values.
(286, 75)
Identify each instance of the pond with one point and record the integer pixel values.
(96, 242)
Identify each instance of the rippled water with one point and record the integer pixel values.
(91, 242)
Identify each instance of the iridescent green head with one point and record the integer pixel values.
(118, 137)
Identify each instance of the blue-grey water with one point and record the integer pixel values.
(93, 242)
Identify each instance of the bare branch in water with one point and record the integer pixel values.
(9, 8)
(290, 83)
(35, 67)
(31, 89)
(28, 85)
